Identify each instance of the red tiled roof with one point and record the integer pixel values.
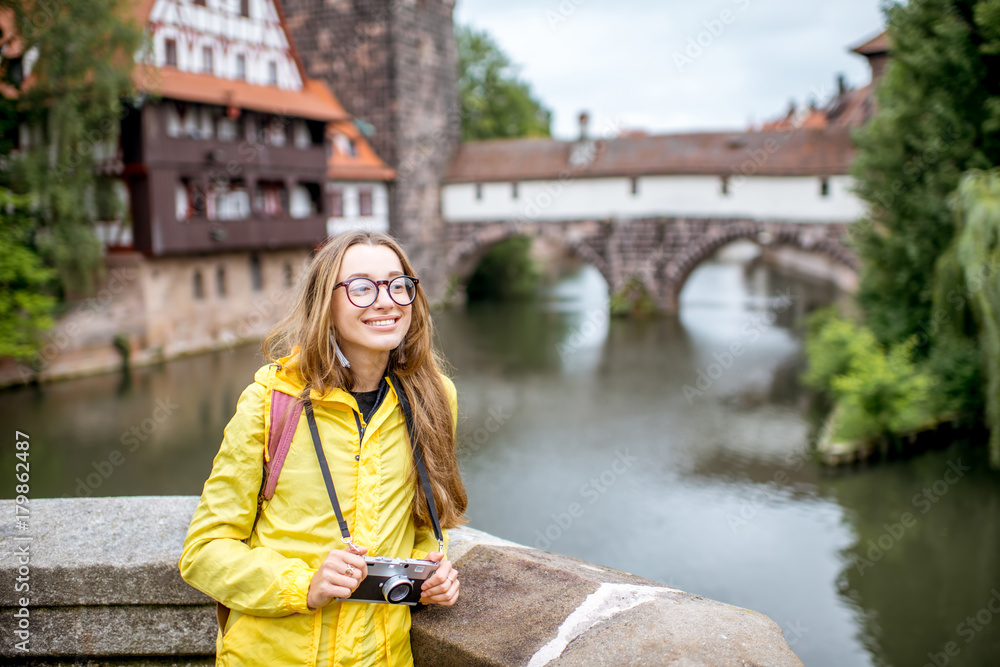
(801, 152)
(314, 101)
(365, 166)
(874, 46)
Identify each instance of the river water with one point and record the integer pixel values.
(677, 449)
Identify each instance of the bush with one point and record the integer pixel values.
(879, 392)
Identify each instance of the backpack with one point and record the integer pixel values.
(278, 439)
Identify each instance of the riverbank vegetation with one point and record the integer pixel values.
(926, 348)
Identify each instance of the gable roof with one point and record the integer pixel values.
(801, 152)
(877, 45)
(315, 101)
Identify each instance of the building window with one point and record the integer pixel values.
(724, 186)
(245, 8)
(365, 202)
(514, 194)
(270, 198)
(207, 66)
(170, 46)
(634, 186)
(337, 202)
(220, 281)
(479, 191)
(824, 187)
(199, 286)
(289, 276)
(274, 131)
(272, 73)
(241, 67)
(256, 275)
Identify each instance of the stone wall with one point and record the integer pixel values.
(95, 581)
(150, 309)
(393, 64)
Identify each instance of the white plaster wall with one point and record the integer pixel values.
(379, 219)
(757, 197)
(219, 26)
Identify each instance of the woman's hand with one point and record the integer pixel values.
(442, 587)
(337, 577)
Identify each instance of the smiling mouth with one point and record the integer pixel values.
(382, 323)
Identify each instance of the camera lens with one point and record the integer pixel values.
(397, 589)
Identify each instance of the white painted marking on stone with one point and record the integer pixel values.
(607, 601)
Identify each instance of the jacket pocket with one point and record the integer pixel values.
(256, 640)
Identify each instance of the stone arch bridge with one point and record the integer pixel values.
(661, 251)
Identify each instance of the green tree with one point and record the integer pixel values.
(82, 54)
(495, 103)
(938, 116)
(25, 303)
(968, 280)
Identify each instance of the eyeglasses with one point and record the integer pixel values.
(363, 292)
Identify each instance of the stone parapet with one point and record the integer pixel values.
(104, 589)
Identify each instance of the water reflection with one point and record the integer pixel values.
(583, 435)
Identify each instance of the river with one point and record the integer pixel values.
(677, 449)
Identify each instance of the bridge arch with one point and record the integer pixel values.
(809, 238)
(578, 239)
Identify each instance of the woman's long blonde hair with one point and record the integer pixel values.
(305, 331)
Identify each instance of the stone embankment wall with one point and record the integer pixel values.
(147, 310)
(94, 581)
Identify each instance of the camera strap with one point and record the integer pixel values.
(418, 461)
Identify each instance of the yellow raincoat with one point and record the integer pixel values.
(265, 580)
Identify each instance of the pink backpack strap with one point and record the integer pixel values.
(285, 413)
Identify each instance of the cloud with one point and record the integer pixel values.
(617, 59)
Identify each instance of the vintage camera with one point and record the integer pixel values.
(393, 581)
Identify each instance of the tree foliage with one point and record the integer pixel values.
(938, 116)
(495, 103)
(82, 55)
(25, 303)
(880, 392)
(969, 280)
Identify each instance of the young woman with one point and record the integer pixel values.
(360, 326)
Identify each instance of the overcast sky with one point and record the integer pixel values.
(677, 65)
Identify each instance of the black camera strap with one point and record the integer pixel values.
(418, 458)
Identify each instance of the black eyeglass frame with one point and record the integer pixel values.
(346, 284)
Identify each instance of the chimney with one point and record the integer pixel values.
(584, 120)
(841, 85)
